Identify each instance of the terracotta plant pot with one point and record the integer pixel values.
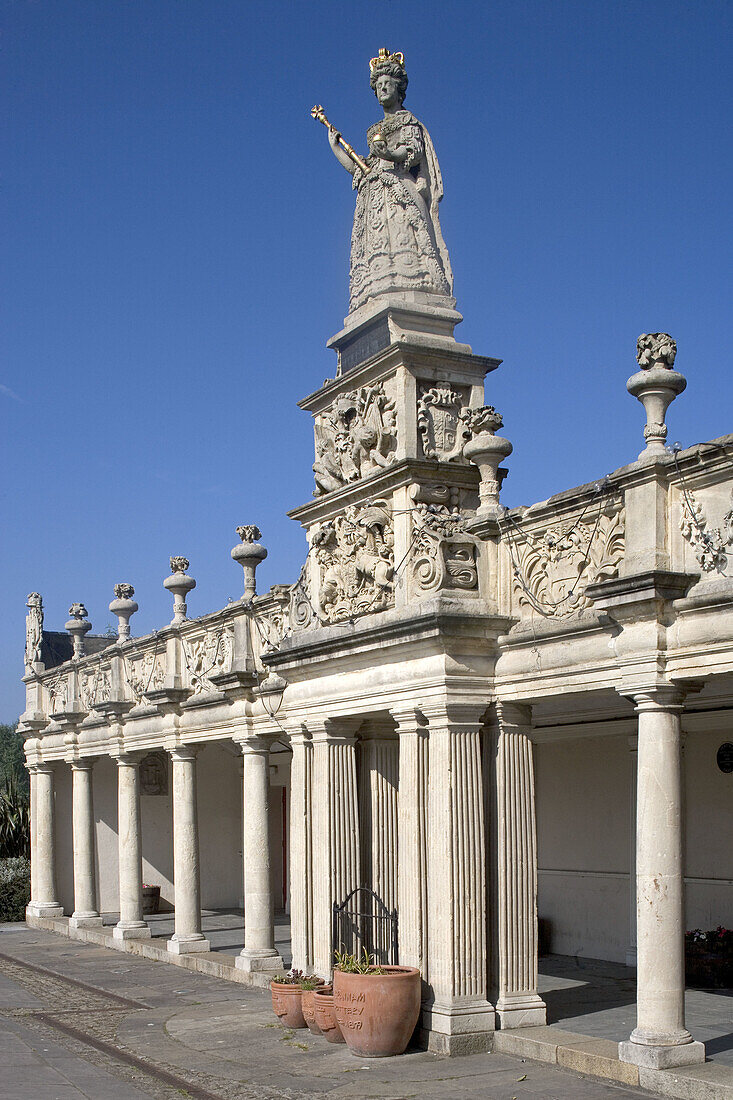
(325, 1015)
(287, 1004)
(377, 1013)
(151, 899)
(309, 1011)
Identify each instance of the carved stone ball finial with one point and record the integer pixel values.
(180, 584)
(77, 626)
(123, 606)
(486, 450)
(249, 554)
(656, 385)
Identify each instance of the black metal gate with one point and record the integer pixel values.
(363, 922)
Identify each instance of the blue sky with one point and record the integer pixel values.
(176, 255)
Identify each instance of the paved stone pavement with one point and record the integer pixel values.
(81, 1021)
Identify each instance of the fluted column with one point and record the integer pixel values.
(301, 870)
(131, 925)
(259, 951)
(518, 1003)
(335, 831)
(187, 936)
(413, 831)
(44, 901)
(660, 1039)
(85, 913)
(460, 1018)
(378, 824)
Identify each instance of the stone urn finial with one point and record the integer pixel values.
(656, 385)
(180, 584)
(486, 450)
(249, 554)
(77, 626)
(123, 606)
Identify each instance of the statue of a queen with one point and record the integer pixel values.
(396, 242)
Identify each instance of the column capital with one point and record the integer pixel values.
(125, 759)
(82, 763)
(450, 714)
(43, 767)
(660, 696)
(256, 744)
(184, 752)
(511, 714)
(334, 731)
(408, 718)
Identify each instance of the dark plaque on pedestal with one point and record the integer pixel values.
(725, 757)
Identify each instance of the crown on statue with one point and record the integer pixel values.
(383, 56)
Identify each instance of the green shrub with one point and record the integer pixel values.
(15, 888)
(15, 824)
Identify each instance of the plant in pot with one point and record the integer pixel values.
(377, 1007)
(151, 898)
(287, 996)
(310, 985)
(325, 1014)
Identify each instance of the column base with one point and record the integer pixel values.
(85, 920)
(523, 1010)
(44, 909)
(661, 1057)
(184, 945)
(131, 930)
(252, 961)
(458, 1027)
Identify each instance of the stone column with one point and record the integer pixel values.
(412, 872)
(44, 901)
(460, 1018)
(85, 913)
(660, 1039)
(518, 1004)
(187, 936)
(335, 831)
(301, 869)
(131, 925)
(259, 951)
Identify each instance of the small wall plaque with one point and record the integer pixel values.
(725, 757)
(154, 773)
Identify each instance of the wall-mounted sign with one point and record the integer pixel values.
(725, 757)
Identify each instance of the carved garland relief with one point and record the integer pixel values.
(556, 566)
(210, 653)
(354, 438)
(355, 556)
(709, 544)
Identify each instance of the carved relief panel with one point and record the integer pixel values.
(95, 685)
(209, 653)
(553, 568)
(356, 437)
(355, 558)
(441, 410)
(443, 556)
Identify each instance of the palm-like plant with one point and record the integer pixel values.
(15, 821)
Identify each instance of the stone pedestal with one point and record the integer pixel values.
(85, 913)
(187, 936)
(44, 901)
(301, 870)
(131, 925)
(335, 831)
(412, 870)
(460, 1019)
(660, 1039)
(259, 951)
(518, 1003)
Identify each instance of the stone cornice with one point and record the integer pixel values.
(383, 483)
(431, 619)
(633, 592)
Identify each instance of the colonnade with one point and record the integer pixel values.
(452, 844)
(259, 951)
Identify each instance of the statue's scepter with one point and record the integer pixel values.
(318, 113)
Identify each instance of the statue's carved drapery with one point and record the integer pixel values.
(396, 242)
